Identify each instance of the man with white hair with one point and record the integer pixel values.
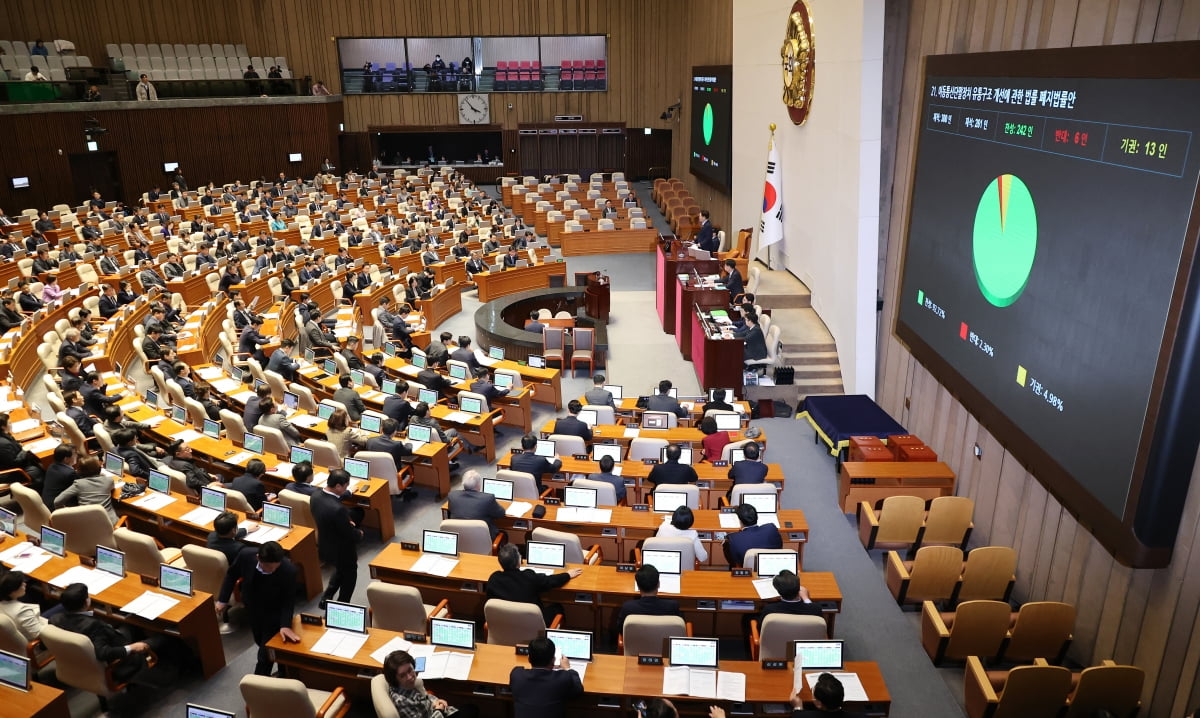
(471, 503)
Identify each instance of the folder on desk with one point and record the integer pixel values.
(150, 605)
(153, 501)
(704, 683)
(435, 565)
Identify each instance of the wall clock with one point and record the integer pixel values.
(473, 109)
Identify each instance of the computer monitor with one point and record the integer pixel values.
(198, 711)
(452, 633)
(575, 645)
(818, 655)
(357, 376)
(673, 392)
(589, 417)
(178, 414)
(763, 503)
(728, 422)
(110, 561)
(54, 541)
(324, 411)
(418, 360)
(346, 616)
(420, 432)
(175, 579)
(258, 384)
(212, 429)
(496, 353)
(685, 454)
(667, 501)
(729, 395)
(212, 499)
(329, 366)
(236, 374)
(160, 482)
(698, 652)
(389, 349)
(655, 420)
(310, 356)
(580, 496)
(545, 448)
(670, 562)
(371, 422)
(503, 381)
(771, 563)
(542, 553)
(290, 400)
(277, 515)
(358, 468)
(252, 443)
(536, 361)
(501, 489)
(300, 454)
(8, 522)
(113, 463)
(443, 542)
(151, 397)
(617, 391)
(429, 396)
(736, 455)
(599, 451)
(219, 359)
(458, 371)
(388, 386)
(14, 671)
(470, 404)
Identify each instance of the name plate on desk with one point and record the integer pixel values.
(650, 660)
(410, 546)
(311, 619)
(649, 462)
(515, 450)
(551, 502)
(193, 500)
(720, 464)
(774, 664)
(581, 457)
(728, 509)
(627, 568)
(414, 637)
(522, 650)
(640, 507)
(149, 580)
(740, 572)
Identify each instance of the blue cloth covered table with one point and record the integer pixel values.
(837, 418)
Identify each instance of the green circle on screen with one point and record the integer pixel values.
(708, 124)
(1005, 240)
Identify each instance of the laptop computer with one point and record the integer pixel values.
(655, 420)
(429, 396)
(728, 422)
(440, 542)
(54, 541)
(457, 371)
(357, 468)
(452, 633)
(14, 671)
(357, 376)
(252, 443)
(346, 617)
(770, 564)
(212, 429)
(736, 455)
(371, 421)
(324, 411)
(536, 361)
(501, 489)
(581, 497)
(545, 448)
(277, 515)
(151, 397)
(685, 455)
(546, 555)
(114, 464)
(329, 366)
(694, 652)
(110, 561)
(575, 645)
(419, 435)
(212, 499)
(388, 386)
(300, 454)
(617, 391)
(503, 381)
(199, 711)
(175, 579)
(178, 414)
(496, 353)
(763, 503)
(599, 451)
(290, 400)
(470, 404)
(664, 502)
(818, 655)
(8, 522)
(160, 482)
(589, 417)
(418, 360)
(389, 349)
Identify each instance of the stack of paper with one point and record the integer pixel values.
(518, 509)
(851, 685)
(631, 433)
(155, 420)
(264, 533)
(396, 644)
(667, 583)
(25, 557)
(187, 436)
(768, 519)
(448, 664)
(201, 516)
(241, 457)
(96, 581)
(46, 444)
(19, 427)
(458, 417)
(226, 385)
(153, 501)
(765, 588)
(308, 421)
(583, 515)
(150, 605)
(729, 521)
(435, 565)
(343, 644)
(210, 373)
(704, 683)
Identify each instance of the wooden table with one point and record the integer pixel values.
(441, 307)
(518, 279)
(616, 241)
(667, 266)
(40, 701)
(687, 296)
(871, 481)
(614, 433)
(717, 360)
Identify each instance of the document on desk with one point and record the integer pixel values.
(20, 427)
(765, 588)
(201, 516)
(458, 417)
(154, 501)
(95, 580)
(241, 457)
(263, 534)
(409, 370)
(242, 396)
(851, 685)
(729, 521)
(630, 433)
(580, 667)
(704, 683)
(150, 605)
(210, 374)
(667, 583)
(343, 644)
(435, 565)
(25, 557)
(448, 664)
(396, 644)
(768, 519)
(226, 385)
(308, 421)
(187, 436)
(46, 444)
(155, 420)
(583, 515)
(283, 470)
(517, 509)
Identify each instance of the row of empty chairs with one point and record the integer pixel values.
(906, 522)
(677, 205)
(54, 68)
(190, 62)
(1045, 691)
(940, 573)
(21, 47)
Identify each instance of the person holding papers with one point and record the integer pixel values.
(793, 598)
(410, 698)
(268, 586)
(511, 583)
(337, 536)
(471, 503)
(751, 536)
(543, 689)
(828, 696)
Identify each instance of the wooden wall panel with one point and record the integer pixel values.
(1150, 617)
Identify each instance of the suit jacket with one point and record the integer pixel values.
(664, 402)
(352, 400)
(109, 305)
(397, 449)
(543, 692)
(250, 341)
(647, 606)
(336, 537)
(672, 472)
(435, 381)
(89, 490)
(270, 599)
(489, 390)
(475, 505)
(748, 472)
(523, 585)
(789, 608)
(85, 423)
(251, 414)
(151, 348)
(94, 399)
(58, 478)
(535, 465)
(275, 420)
(572, 426)
(763, 536)
(599, 397)
(136, 463)
(251, 488)
(706, 238)
(756, 344)
(107, 640)
(397, 407)
(617, 482)
(467, 357)
(734, 284)
(282, 364)
(316, 337)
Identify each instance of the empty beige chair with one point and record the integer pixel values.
(989, 573)
(647, 635)
(267, 697)
(645, 448)
(976, 628)
(142, 553)
(383, 466)
(524, 485)
(932, 576)
(400, 608)
(1115, 688)
(277, 383)
(606, 493)
(896, 526)
(778, 630)
(510, 623)
(948, 522)
(1038, 691)
(685, 546)
(324, 453)
(235, 500)
(300, 506)
(76, 665)
(85, 526)
(208, 568)
(568, 444)
(474, 536)
(34, 513)
(274, 442)
(573, 552)
(1041, 629)
(235, 428)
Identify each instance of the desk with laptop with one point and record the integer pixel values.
(545, 382)
(22, 696)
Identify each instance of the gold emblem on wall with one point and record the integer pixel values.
(798, 56)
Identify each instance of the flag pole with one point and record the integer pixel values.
(770, 146)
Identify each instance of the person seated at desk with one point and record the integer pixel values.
(470, 503)
(542, 690)
(350, 353)
(241, 316)
(252, 412)
(461, 250)
(663, 401)
(718, 401)
(828, 697)
(91, 487)
(483, 385)
(250, 484)
(431, 379)
(226, 536)
(714, 441)
(512, 583)
(76, 412)
(511, 259)
(465, 354)
(27, 301)
(533, 325)
(301, 483)
(212, 408)
(648, 602)
(148, 277)
(411, 700)
(42, 264)
(606, 475)
(679, 525)
(60, 474)
(396, 406)
(475, 264)
(749, 470)
(671, 471)
(751, 536)
(267, 580)
(349, 398)
(173, 268)
(793, 598)
(755, 343)
(532, 464)
(72, 346)
(94, 397)
(183, 461)
(491, 244)
(571, 425)
(27, 617)
(252, 340)
(373, 367)
(733, 279)
(429, 256)
(317, 337)
(598, 395)
(183, 377)
(281, 361)
(275, 420)
(387, 443)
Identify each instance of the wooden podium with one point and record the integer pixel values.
(596, 297)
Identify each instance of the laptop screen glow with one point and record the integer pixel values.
(500, 488)
(664, 561)
(443, 542)
(545, 447)
(667, 501)
(770, 564)
(541, 553)
(346, 617)
(452, 633)
(698, 652)
(175, 579)
(819, 654)
(599, 451)
(575, 645)
(253, 443)
(580, 496)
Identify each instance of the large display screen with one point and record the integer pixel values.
(712, 115)
(1047, 268)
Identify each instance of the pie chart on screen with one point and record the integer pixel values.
(1004, 240)
(708, 124)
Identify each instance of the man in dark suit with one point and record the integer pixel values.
(598, 395)
(74, 402)
(386, 442)
(671, 471)
(110, 643)
(571, 425)
(471, 503)
(250, 484)
(252, 341)
(464, 353)
(718, 401)
(828, 697)
(337, 536)
(484, 386)
(733, 280)
(511, 583)
(268, 587)
(540, 691)
(281, 361)
(60, 474)
(607, 476)
(430, 379)
(793, 598)
(647, 603)
(397, 406)
(663, 401)
(109, 304)
(756, 343)
(749, 470)
(94, 398)
(533, 464)
(706, 238)
(225, 536)
(751, 536)
(253, 410)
